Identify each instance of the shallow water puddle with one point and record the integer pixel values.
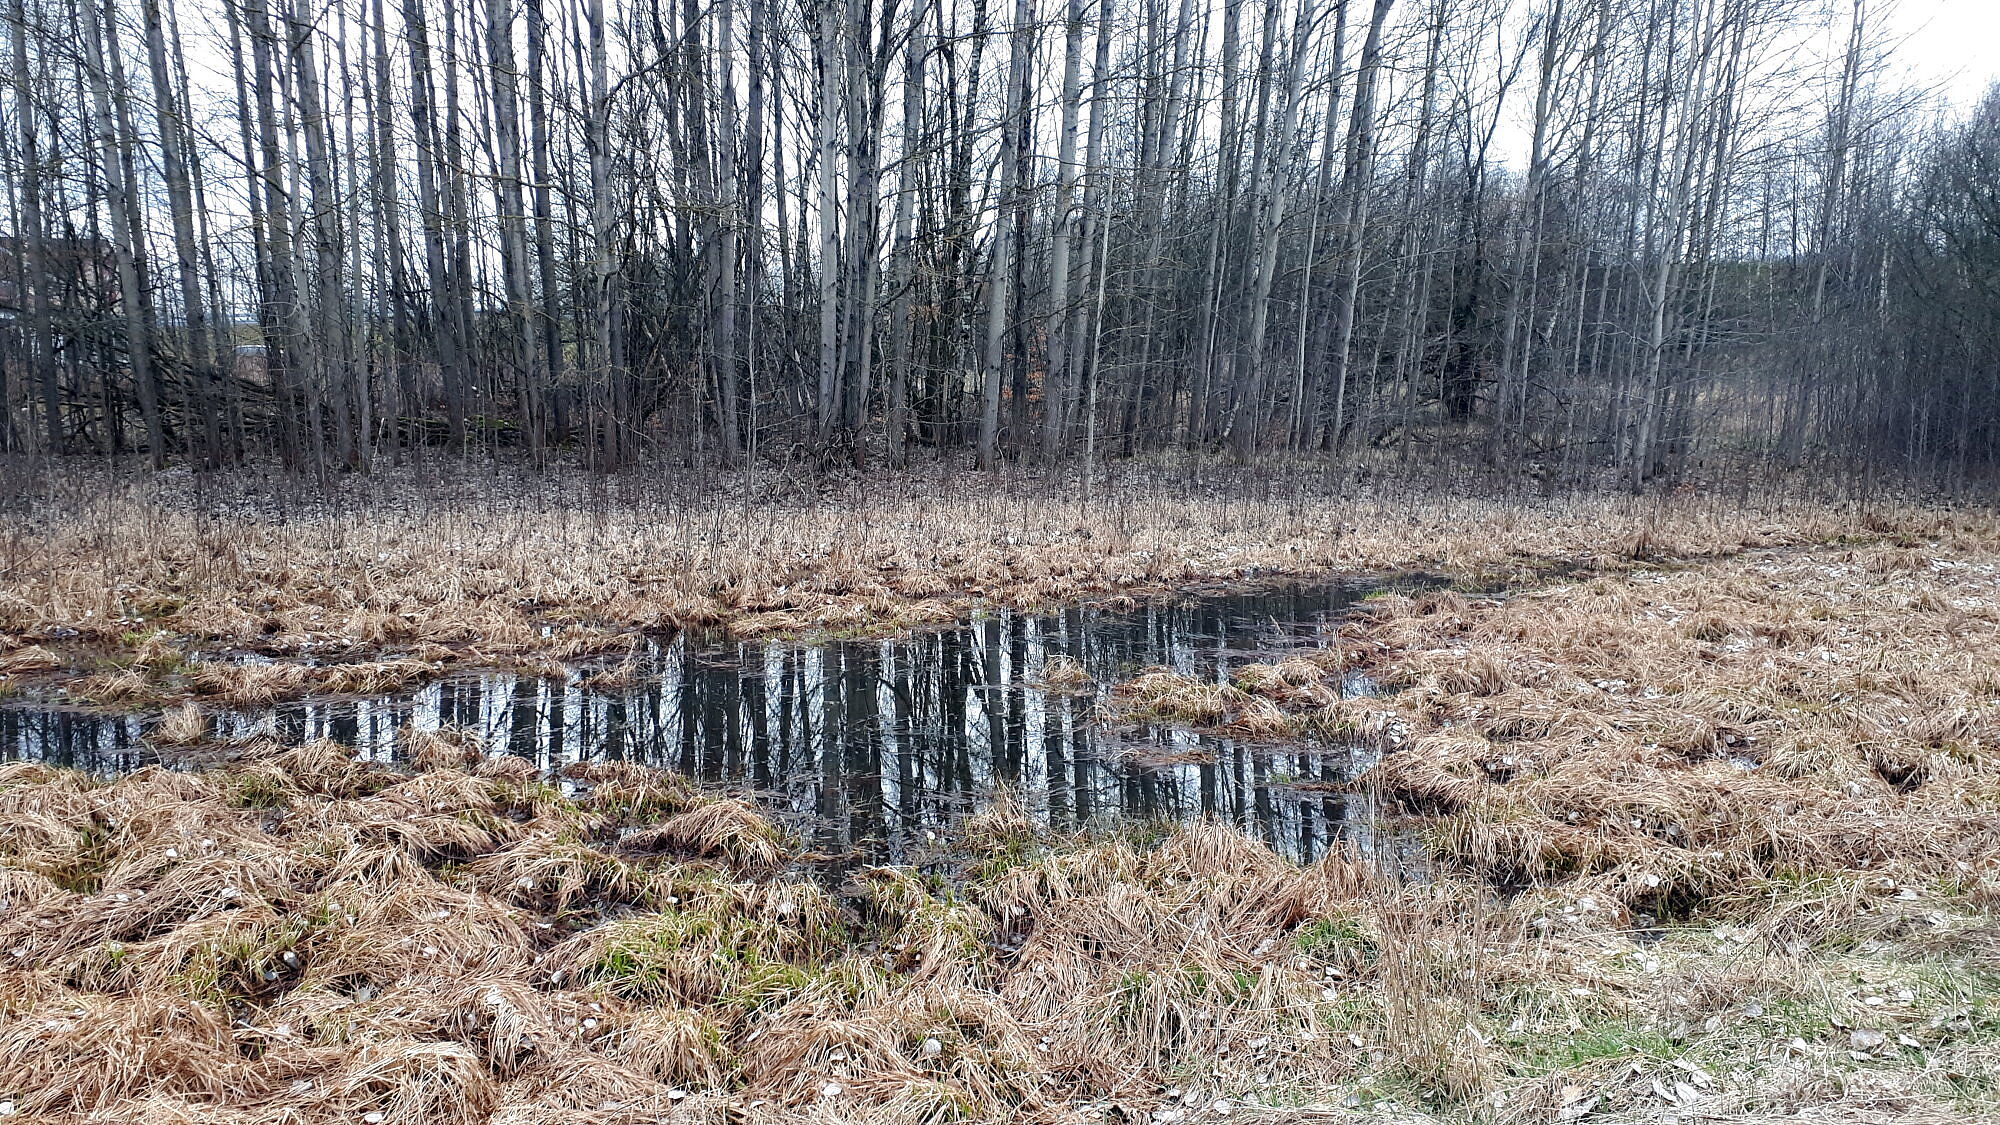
(873, 745)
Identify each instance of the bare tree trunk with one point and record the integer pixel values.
(730, 219)
(114, 134)
(548, 307)
(752, 210)
(832, 56)
(35, 272)
(330, 367)
(452, 347)
(1670, 224)
(1001, 267)
(512, 218)
(1356, 189)
(1087, 327)
(1314, 355)
(902, 271)
(605, 358)
(174, 161)
(1511, 395)
(1056, 377)
(388, 211)
(1270, 196)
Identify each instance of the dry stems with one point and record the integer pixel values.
(299, 936)
(146, 591)
(1782, 770)
(1716, 841)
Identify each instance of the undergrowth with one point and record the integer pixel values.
(1719, 839)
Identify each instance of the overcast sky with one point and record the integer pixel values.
(1952, 43)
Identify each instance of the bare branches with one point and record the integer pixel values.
(1589, 236)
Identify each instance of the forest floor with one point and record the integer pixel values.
(1711, 797)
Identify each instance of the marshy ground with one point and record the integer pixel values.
(136, 592)
(1709, 793)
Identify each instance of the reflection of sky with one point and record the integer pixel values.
(872, 742)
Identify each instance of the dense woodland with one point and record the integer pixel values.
(1600, 237)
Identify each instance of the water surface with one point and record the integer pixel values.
(869, 745)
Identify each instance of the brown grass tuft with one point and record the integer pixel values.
(182, 725)
(678, 1047)
(1066, 674)
(419, 1083)
(1692, 839)
(442, 749)
(729, 830)
(29, 660)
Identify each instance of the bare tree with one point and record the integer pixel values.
(722, 233)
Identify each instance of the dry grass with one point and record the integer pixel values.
(27, 660)
(1780, 770)
(297, 936)
(1674, 735)
(149, 591)
(1065, 675)
(1720, 841)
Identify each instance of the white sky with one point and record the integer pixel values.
(1953, 44)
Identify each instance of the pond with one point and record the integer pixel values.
(868, 745)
